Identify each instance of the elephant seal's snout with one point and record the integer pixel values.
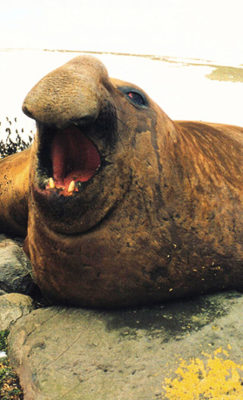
(69, 94)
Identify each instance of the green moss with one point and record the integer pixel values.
(3, 340)
(9, 384)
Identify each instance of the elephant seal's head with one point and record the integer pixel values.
(85, 153)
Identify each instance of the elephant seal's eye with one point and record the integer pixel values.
(135, 96)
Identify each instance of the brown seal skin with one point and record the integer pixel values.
(140, 208)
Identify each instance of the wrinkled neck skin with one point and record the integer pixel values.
(176, 183)
(135, 176)
(174, 202)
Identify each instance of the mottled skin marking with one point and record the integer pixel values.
(161, 219)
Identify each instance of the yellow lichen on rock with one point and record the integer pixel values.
(214, 378)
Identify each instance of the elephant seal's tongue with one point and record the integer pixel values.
(74, 159)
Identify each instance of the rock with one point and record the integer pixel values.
(62, 353)
(12, 307)
(15, 268)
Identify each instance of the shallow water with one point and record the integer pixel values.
(185, 88)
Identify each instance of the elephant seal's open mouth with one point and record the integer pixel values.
(67, 161)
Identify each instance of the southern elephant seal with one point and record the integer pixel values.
(125, 206)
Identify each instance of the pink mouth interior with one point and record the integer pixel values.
(74, 158)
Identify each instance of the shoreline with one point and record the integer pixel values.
(155, 57)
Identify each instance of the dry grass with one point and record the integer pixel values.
(13, 141)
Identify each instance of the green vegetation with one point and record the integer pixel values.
(9, 384)
(3, 340)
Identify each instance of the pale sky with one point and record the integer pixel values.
(191, 28)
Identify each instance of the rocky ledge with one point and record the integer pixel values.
(191, 349)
